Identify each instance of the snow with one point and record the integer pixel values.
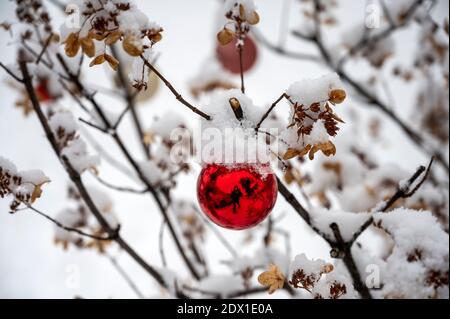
(318, 134)
(413, 231)
(348, 222)
(151, 172)
(140, 72)
(35, 177)
(312, 267)
(65, 121)
(79, 157)
(233, 7)
(309, 91)
(165, 125)
(223, 284)
(23, 186)
(68, 218)
(8, 166)
(225, 139)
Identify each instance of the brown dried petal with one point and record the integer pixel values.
(290, 153)
(98, 60)
(273, 278)
(113, 37)
(225, 36)
(254, 18)
(72, 45)
(131, 46)
(113, 62)
(155, 37)
(88, 46)
(327, 148)
(337, 96)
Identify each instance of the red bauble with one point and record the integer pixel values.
(228, 55)
(237, 197)
(43, 92)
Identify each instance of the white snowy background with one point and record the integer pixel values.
(31, 266)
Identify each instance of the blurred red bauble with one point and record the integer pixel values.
(237, 197)
(228, 55)
(43, 92)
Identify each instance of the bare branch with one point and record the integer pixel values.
(72, 229)
(175, 92)
(402, 192)
(11, 73)
(125, 276)
(76, 178)
(274, 104)
(343, 251)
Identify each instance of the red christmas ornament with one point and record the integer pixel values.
(43, 92)
(228, 55)
(237, 197)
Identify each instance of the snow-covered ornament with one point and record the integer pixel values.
(238, 196)
(228, 55)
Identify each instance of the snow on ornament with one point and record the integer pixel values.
(237, 197)
(228, 55)
(236, 188)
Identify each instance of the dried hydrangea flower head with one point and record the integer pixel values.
(240, 14)
(313, 120)
(24, 186)
(105, 23)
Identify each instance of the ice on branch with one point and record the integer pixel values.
(418, 265)
(77, 216)
(105, 23)
(312, 120)
(69, 142)
(25, 187)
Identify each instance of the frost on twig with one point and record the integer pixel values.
(25, 187)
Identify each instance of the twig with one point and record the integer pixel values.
(44, 48)
(279, 50)
(217, 233)
(401, 192)
(11, 73)
(344, 252)
(131, 106)
(143, 178)
(371, 99)
(175, 92)
(95, 126)
(240, 49)
(125, 276)
(274, 104)
(161, 243)
(76, 178)
(119, 188)
(302, 212)
(72, 229)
